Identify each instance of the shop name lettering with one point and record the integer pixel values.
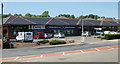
(38, 27)
(61, 27)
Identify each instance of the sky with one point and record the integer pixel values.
(107, 9)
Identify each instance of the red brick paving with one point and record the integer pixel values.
(52, 54)
(25, 57)
(104, 48)
(89, 50)
(71, 52)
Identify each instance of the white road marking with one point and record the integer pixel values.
(63, 53)
(81, 51)
(16, 58)
(97, 49)
(41, 56)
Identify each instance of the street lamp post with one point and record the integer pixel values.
(82, 24)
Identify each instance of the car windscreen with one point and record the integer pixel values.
(28, 33)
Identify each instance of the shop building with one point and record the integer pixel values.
(70, 27)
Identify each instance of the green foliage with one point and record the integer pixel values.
(90, 16)
(95, 17)
(80, 17)
(10, 14)
(15, 14)
(66, 15)
(55, 42)
(34, 16)
(43, 42)
(72, 16)
(7, 15)
(118, 26)
(45, 14)
(28, 14)
(112, 36)
(99, 37)
(103, 38)
(19, 14)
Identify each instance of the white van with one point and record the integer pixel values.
(24, 36)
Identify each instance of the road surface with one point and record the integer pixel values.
(98, 56)
(6, 53)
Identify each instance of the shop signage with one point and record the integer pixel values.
(53, 27)
(36, 27)
(79, 27)
(69, 27)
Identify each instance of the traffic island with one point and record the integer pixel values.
(42, 43)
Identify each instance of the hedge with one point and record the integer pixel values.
(42, 42)
(112, 36)
(55, 42)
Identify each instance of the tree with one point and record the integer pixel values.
(34, 16)
(15, 14)
(91, 15)
(28, 14)
(7, 15)
(66, 15)
(81, 17)
(95, 17)
(19, 14)
(10, 14)
(86, 16)
(45, 14)
(72, 16)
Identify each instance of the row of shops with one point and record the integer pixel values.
(70, 27)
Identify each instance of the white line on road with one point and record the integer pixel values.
(63, 53)
(16, 58)
(97, 49)
(41, 56)
(81, 51)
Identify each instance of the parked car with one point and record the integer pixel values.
(106, 32)
(110, 32)
(100, 33)
(42, 35)
(24, 36)
(48, 35)
(86, 33)
(59, 35)
(113, 32)
(39, 35)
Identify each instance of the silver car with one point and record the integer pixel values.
(86, 34)
(59, 35)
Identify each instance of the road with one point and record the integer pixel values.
(99, 56)
(36, 50)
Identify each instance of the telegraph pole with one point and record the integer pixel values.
(2, 25)
(82, 38)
